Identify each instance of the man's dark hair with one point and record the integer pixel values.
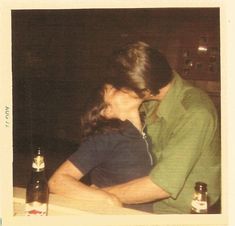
(139, 67)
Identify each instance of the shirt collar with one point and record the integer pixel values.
(130, 130)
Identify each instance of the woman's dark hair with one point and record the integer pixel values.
(139, 67)
(92, 122)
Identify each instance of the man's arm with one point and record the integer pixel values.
(140, 190)
(65, 181)
(191, 135)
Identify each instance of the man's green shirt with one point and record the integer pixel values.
(185, 135)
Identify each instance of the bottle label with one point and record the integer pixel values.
(35, 209)
(199, 206)
(38, 163)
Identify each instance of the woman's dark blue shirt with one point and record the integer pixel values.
(115, 157)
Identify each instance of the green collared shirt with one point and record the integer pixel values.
(185, 138)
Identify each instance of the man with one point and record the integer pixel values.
(182, 123)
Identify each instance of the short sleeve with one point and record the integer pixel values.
(91, 153)
(192, 135)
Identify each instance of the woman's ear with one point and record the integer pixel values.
(102, 112)
(106, 112)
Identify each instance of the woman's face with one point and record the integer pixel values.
(119, 103)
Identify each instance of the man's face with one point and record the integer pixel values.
(119, 102)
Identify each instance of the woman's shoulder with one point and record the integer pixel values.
(114, 134)
(105, 136)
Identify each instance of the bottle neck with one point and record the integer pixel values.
(38, 170)
(38, 175)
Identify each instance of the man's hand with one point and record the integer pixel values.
(93, 186)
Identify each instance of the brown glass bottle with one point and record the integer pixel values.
(37, 192)
(199, 203)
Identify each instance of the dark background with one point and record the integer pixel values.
(58, 55)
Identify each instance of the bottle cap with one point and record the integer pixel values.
(38, 152)
(200, 186)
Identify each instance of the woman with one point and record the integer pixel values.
(114, 149)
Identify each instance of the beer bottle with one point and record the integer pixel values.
(37, 191)
(199, 203)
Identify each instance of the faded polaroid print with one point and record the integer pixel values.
(59, 56)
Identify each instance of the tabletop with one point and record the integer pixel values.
(60, 205)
